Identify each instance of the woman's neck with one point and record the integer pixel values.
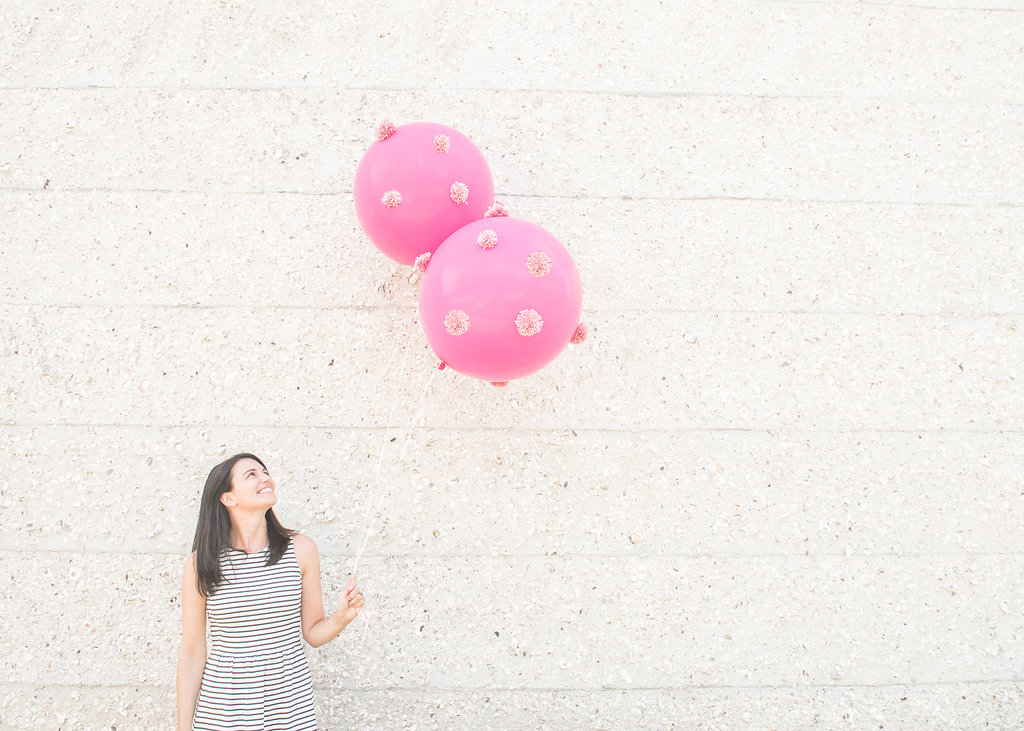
(249, 532)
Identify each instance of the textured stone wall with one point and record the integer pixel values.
(780, 485)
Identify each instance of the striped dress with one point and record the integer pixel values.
(256, 676)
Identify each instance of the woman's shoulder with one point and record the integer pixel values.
(304, 547)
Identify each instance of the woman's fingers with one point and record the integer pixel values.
(354, 597)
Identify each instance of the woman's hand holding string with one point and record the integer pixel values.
(349, 603)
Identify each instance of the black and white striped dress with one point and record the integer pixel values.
(256, 676)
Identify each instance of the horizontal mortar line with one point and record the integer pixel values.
(528, 196)
(21, 685)
(658, 688)
(771, 431)
(589, 311)
(635, 93)
(669, 688)
(854, 3)
(567, 556)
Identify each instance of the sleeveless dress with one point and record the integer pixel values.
(256, 676)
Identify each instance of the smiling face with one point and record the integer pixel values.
(251, 487)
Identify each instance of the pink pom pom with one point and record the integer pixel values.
(442, 143)
(460, 192)
(580, 335)
(496, 209)
(385, 129)
(528, 322)
(538, 264)
(456, 322)
(487, 239)
(499, 384)
(392, 198)
(421, 261)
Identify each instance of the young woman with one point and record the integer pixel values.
(258, 583)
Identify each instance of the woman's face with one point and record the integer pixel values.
(251, 486)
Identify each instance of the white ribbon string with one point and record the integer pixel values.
(374, 504)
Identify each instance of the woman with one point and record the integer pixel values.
(259, 585)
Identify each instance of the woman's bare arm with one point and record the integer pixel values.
(192, 656)
(316, 628)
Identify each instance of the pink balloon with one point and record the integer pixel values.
(500, 299)
(416, 185)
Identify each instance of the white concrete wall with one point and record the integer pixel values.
(779, 487)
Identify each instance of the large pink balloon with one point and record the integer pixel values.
(418, 184)
(500, 299)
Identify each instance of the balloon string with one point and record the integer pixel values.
(382, 490)
(367, 616)
(380, 455)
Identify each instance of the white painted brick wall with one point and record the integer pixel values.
(780, 485)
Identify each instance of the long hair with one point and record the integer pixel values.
(213, 531)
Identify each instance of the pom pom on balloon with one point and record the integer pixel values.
(384, 130)
(538, 264)
(487, 239)
(528, 323)
(520, 321)
(456, 322)
(580, 335)
(459, 192)
(406, 158)
(421, 261)
(497, 210)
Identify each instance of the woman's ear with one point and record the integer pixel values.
(227, 499)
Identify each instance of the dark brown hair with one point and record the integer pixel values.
(213, 531)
